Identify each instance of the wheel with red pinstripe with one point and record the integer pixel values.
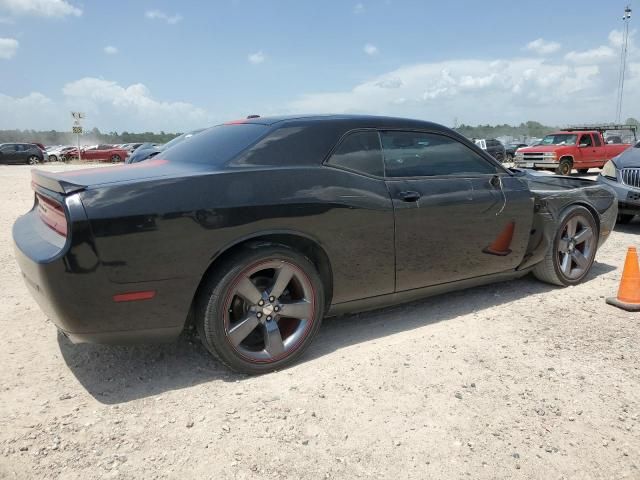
(261, 308)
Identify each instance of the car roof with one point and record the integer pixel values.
(355, 121)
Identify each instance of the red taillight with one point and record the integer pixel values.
(52, 213)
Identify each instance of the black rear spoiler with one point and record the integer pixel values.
(49, 181)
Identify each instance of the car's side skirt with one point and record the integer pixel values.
(406, 296)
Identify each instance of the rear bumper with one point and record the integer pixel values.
(68, 282)
(628, 197)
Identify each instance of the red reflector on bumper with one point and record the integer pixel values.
(134, 296)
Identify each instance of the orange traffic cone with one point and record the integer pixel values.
(629, 292)
(501, 244)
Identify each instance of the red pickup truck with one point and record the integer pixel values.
(569, 149)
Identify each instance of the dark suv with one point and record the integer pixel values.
(12, 153)
(496, 149)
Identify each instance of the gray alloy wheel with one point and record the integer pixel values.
(261, 310)
(115, 158)
(34, 160)
(573, 250)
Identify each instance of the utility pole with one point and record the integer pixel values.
(626, 18)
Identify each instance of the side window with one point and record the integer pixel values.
(360, 152)
(596, 140)
(416, 154)
(585, 140)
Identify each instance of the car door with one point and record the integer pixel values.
(599, 151)
(7, 154)
(587, 150)
(457, 213)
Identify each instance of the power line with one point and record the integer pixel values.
(623, 61)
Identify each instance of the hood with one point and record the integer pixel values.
(542, 148)
(140, 154)
(630, 158)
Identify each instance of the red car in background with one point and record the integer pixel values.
(100, 153)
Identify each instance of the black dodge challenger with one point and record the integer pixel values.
(256, 229)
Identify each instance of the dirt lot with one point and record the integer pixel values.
(515, 380)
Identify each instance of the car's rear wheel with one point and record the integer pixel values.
(572, 251)
(261, 309)
(564, 167)
(53, 158)
(34, 160)
(115, 158)
(624, 218)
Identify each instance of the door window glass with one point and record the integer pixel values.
(360, 152)
(417, 154)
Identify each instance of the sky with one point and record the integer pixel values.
(152, 65)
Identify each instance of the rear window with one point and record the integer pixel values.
(216, 145)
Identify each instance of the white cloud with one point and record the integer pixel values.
(32, 111)
(595, 55)
(108, 105)
(358, 8)
(110, 50)
(512, 90)
(8, 47)
(43, 8)
(158, 15)
(370, 49)
(543, 47)
(256, 58)
(111, 105)
(604, 53)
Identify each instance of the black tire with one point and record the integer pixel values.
(115, 158)
(549, 269)
(34, 160)
(582, 171)
(218, 298)
(624, 218)
(53, 158)
(564, 167)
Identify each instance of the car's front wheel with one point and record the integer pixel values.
(564, 167)
(115, 158)
(33, 160)
(260, 309)
(53, 158)
(572, 251)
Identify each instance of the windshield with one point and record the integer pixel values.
(560, 139)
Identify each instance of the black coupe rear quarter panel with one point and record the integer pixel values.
(174, 228)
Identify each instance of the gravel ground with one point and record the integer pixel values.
(514, 380)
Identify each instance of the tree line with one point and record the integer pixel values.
(53, 137)
(94, 136)
(524, 130)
